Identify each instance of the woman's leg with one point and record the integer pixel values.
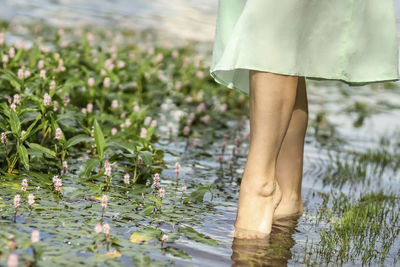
(272, 97)
(289, 167)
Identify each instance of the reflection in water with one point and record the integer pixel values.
(273, 251)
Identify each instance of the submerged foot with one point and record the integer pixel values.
(255, 210)
(289, 208)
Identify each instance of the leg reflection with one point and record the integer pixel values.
(271, 251)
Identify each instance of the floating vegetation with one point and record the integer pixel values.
(118, 151)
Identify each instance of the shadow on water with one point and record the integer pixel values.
(273, 251)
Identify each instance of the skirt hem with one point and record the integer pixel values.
(312, 77)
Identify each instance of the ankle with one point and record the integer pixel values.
(264, 188)
(292, 197)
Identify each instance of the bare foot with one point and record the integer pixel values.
(255, 210)
(289, 208)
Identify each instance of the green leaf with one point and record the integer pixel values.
(198, 194)
(43, 149)
(145, 235)
(89, 167)
(192, 234)
(148, 209)
(28, 131)
(119, 143)
(99, 139)
(77, 139)
(179, 253)
(23, 155)
(15, 123)
(155, 200)
(147, 157)
(12, 78)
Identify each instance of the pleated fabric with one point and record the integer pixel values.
(353, 41)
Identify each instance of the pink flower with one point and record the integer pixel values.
(58, 133)
(114, 131)
(200, 74)
(140, 161)
(65, 164)
(153, 123)
(136, 108)
(106, 228)
(206, 119)
(128, 122)
(16, 99)
(162, 192)
(12, 260)
(196, 142)
(52, 85)
(17, 199)
(156, 181)
(192, 116)
(121, 64)
(31, 199)
(175, 54)
(237, 141)
(186, 130)
(177, 167)
(106, 82)
(5, 59)
(201, 107)
(40, 64)
(4, 138)
(104, 202)
(24, 183)
(20, 74)
(114, 104)
(223, 107)
(143, 133)
(37, 188)
(126, 178)
(223, 146)
(43, 74)
(91, 81)
(27, 73)
(35, 236)
(98, 228)
(107, 171)
(183, 189)
(46, 99)
(13, 107)
(66, 99)
(57, 183)
(83, 110)
(11, 52)
(89, 107)
(163, 239)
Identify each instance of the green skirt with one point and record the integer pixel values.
(353, 41)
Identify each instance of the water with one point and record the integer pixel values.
(288, 243)
(190, 19)
(182, 19)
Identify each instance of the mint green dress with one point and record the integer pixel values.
(353, 41)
